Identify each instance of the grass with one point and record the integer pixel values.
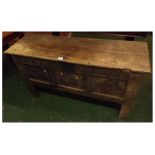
(20, 106)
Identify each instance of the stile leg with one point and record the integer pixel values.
(33, 90)
(125, 109)
(132, 89)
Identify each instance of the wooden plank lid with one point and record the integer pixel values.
(119, 54)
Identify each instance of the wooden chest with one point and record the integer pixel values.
(104, 69)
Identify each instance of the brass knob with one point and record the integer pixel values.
(76, 77)
(61, 74)
(44, 70)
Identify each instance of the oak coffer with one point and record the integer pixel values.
(104, 69)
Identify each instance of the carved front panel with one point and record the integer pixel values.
(69, 80)
(37, 74)
(107, 86)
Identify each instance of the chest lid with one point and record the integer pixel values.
(118, 54)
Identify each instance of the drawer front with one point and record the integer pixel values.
(107, 86)
(37, 74)
(69, 80)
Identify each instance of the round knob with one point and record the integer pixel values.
(61, 74)
(44, 70)
(76, 77)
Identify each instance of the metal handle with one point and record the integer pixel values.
(61, 74)
(44, 70)
(76, 77)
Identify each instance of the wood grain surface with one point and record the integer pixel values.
(118, 54)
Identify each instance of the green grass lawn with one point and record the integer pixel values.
(20, 106)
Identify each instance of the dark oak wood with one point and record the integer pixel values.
(130, 94)
(103, 69)
(24, 76)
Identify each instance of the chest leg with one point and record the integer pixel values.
(131, 91)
